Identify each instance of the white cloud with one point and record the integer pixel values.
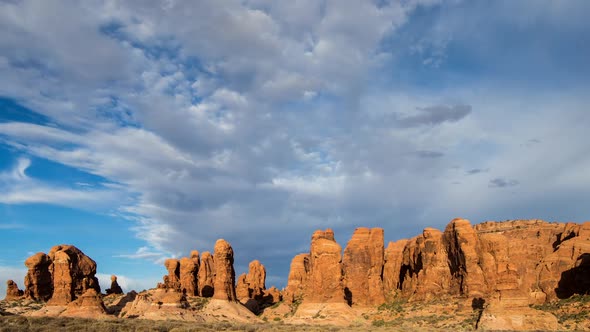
(279, 123)
(18, 188)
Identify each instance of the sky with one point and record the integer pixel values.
(142, 130)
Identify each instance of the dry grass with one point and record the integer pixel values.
(20, 323)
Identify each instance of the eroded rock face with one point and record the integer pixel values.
(251, 288)
(425, 271)
(88, 305)
(298, 273)
(242, 292)
(256, 280)
(516, 262)
(223, 261)
(115, 288)
(465, 255)
(271, 296)
(566, 271)
(325, 281)
(173, 278)
(363, 267)
(189, 268)
(60, 276)
(205, 275)
(394, 255)
(38, 281)
(12, 291)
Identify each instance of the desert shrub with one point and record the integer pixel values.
(394, 306)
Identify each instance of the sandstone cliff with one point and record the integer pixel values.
(518, 262)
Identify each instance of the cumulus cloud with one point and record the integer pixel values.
(266, 129)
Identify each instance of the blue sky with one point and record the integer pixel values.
(139, 131)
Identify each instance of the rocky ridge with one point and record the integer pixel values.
(497, 269)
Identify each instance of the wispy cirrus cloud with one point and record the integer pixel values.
(19, 188)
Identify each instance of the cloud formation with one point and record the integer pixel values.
(434, 115)
(502, 183)
(294, 116)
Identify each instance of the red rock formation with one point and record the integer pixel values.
(63, 292)
(521, 246)
(363, 267)
(518, 262)
(205, 275)
(173, 278)
(224, 282)
(88, 305)
(465, 255)
(392, 267)
(324, 282)
(256, 279)
(189, 268)
(298, 273)
(425, 271)
(38, 281)
(566, 271)
(115, 288)
(251, 288)
(271, 296)
(242, 292)
(60, 276)
(12, 291)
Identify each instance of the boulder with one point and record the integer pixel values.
(224, 282)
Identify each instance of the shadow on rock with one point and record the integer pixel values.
(575, 280)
